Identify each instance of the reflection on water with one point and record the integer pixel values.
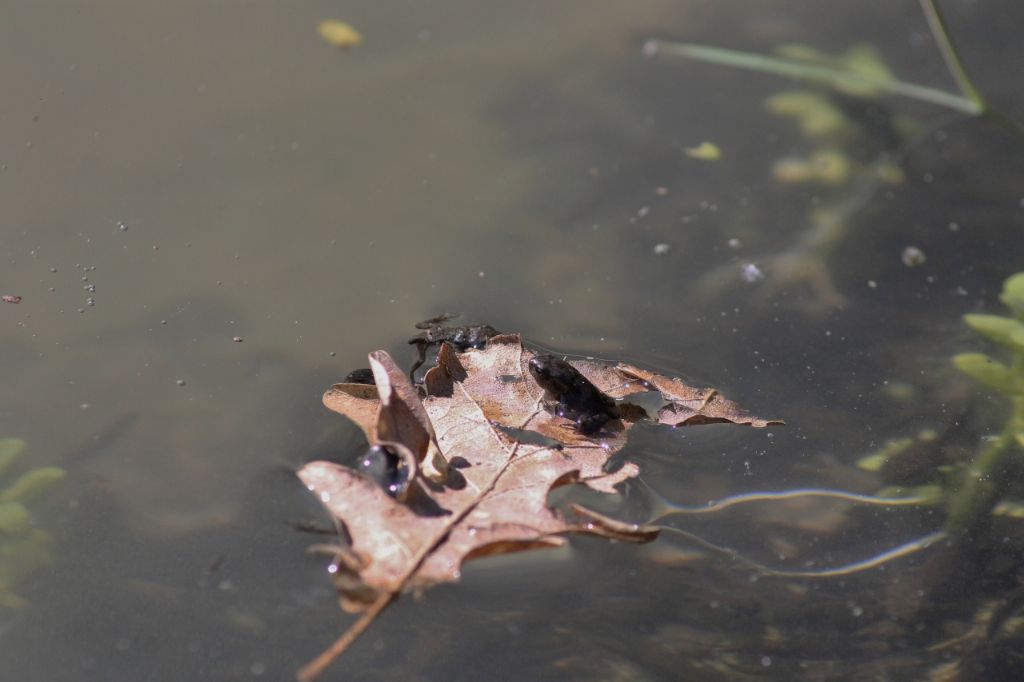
(171, 182)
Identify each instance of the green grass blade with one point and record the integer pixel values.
(822, 74)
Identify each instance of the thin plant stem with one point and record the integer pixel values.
(903, 550)
(940, 33)
(733, 500)
(825, 74)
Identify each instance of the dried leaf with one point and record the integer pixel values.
(477, 410)
(689, 406)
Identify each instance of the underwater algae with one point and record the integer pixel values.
(24, 548)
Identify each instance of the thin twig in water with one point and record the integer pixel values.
(903, 550)
(772, 496)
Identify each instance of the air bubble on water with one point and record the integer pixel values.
(912, 257)
(91, 288)
(121, 226)
(180, 382)
(751, 273)
(661, 249)
(90, 302)
(735, 243)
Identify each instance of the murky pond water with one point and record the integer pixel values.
(211, 215)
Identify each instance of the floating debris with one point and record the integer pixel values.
(339, 34)
(751, 273)
(912, 257)
(10, 298)
(705, 151)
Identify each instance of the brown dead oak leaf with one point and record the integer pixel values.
(479, 490)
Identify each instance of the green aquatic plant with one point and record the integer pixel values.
(847, 83)
(983, 484)
(971, 492)
(23, 547)
(838, 126)
(858, 71)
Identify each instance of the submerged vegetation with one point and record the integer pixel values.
(966, 496)
(23, 547)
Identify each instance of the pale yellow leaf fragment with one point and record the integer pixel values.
(705, 151)
(339, 34)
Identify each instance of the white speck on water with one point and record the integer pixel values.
(121, 226)
(180, 382)
(734, 243)
(751, 273)
(766, 661)
(912, 257)
(872, 284)
(661, 249)
(258, 668)
(325, 497)
(643, 211)
(954, 227)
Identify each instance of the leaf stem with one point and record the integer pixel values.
(940, 33)
(825, 74)
(318, 665)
